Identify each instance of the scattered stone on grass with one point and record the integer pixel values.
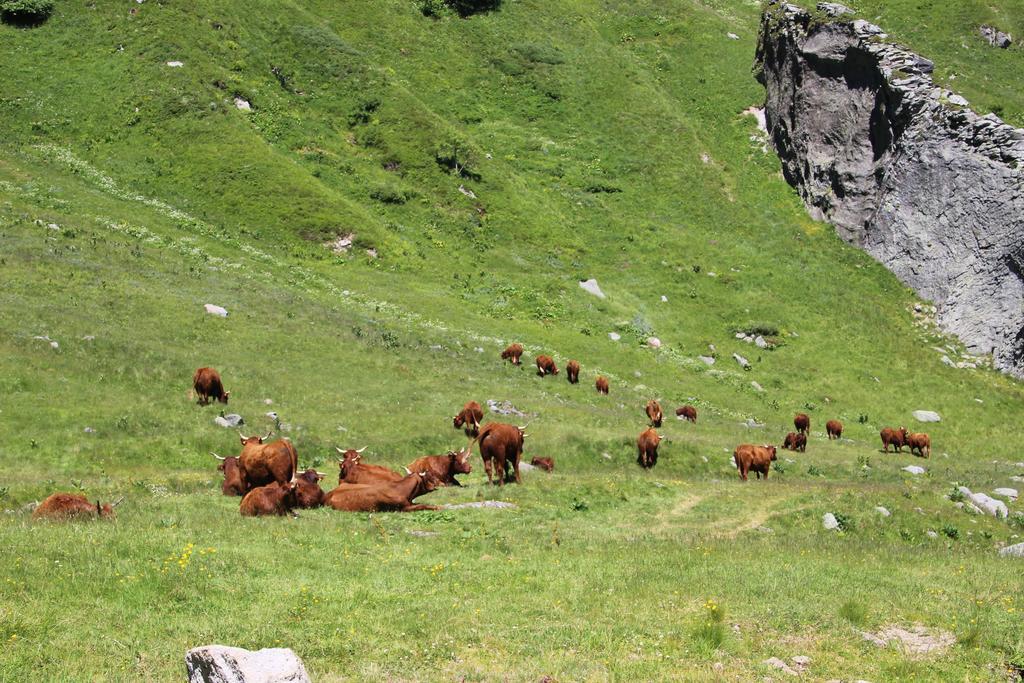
(243, 104)
(918, 640)
(995, 37)
(834, 9)
(175, 63)
(744, 363)
(53, 344)
(1013, 551)
(479, 504)
(213, 309)
(422, 534)
(914, 469)
(230, 420)
(732, 36)
(777, 663)
(926, 416)
(272, 415)
(707, 360)
(503, 408)
(654, 342)
(757, 387)
(991, 506)
(1006, 493)
(882, 511)
(614, 336)
(592, 287)
(223, 664)
(751, 423)
(664, 299)
(829, 521)
(802, 661)
(931, 534)
(342, 244)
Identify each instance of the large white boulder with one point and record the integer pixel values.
(926, 416)
(591, 286)
(991, 506)
(223, 664)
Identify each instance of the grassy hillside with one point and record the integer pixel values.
(603, 142)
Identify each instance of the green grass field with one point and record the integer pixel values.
(602, 141)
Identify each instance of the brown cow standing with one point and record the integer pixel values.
(654, 413)
(921, 443)
(687, 413)
(802, 423)
(546, 366)
(647, 448)
(308, 493)
(897, 438)
(601, 384)
(384, 497)
(501, 447)
(72, 506)
(445, 467)
(512, 353)
(749, 457)
(546, 464)
(207, 385)
(352, 470)
(233, 484)
(470, 416)
(572, 369)
(276, 498)
(264, 463)
(834, 429)
(795, 441)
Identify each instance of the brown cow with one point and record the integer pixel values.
(921, 443)
(546, 366)
(264, 463)
(795, 441)
(276, 498)
(897, 438)
(384, 497)
(749, 457)
(572, 369)
(654, 413)
(470, 416)
(687, 413)
(546, 464)
(207, 385)
(233, 484)
(512, 353)
(647, 448)
(601, 384)
(73, 506)
(834, 429)
(445, 467)
(802, 423)
(308, 493)
(352, 470)
(501, 447)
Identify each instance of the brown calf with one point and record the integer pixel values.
(277, 498)
(72, 506)
(795, 441)
(572, 369)
(647, 448)
(654, 413)
(384, 497)
(834, 429)
(232, 484)
(470, 417)
(802, 423)
(512, 353)
(207, 385)
(687, 413)
(308, 493)
(445, 467)
(546, 366)
(546, 464)
(921, 443)
(751, 458)
(897, 438)
(601, 384)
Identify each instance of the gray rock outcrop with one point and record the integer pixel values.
(223, 664)
(903, 170)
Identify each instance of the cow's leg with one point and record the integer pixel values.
(515, 468)
(416, 508)
(500, 470)
(487, 468)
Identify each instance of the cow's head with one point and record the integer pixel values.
(904, 433)
(107, 509)
(428, 481)
(224, 397)
(460, 461)
(771, 451)
(311, 476)
(350, 458)
(459, 420)
(229, 464)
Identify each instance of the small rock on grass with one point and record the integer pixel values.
(777, 663)
(1013, 551)
(223, 664)
(882, 511)
(829, 521)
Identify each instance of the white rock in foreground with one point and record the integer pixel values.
(914, 469)
(614, 336)
(213, 309)
(223, 664)
(591, 286)
(1013, 551)
(829, 521)
(243, 104)
(175, 63)
(882, 511)
(926, 416)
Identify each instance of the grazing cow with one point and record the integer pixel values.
(276, 498)
(308, 493)
(207, 385)
(546, 464)
(897, 438)
(834, 429)
(512, 353)
(546, 366)
(647, 448)
(601, 384)
(351, 470)
(384, 497)
(264, 463)
(233, 484)
(470, 417)
(921, 443)
(795, 441)
(802, 423)
(687, 413)
(73, 506)
(572, 369)
(501, 447)
(749, 457)
(445, 467)
(654, 413)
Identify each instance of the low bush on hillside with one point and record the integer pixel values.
(26, 11)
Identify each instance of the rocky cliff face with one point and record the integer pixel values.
(903, 169)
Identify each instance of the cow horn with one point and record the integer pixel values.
(117, 502)
(360, 450)
(339, 450)
(319, 473)
(243, 436)
(217, 456)
(269, 434)
(407, 470)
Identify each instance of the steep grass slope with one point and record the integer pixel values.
(602, 142)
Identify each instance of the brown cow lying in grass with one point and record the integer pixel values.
(546, 464)
(352, 470)
(232, 484)
(897, 438)
(308, 493)
(384, 497)
(795, 441)
(751, 458)
(445, 467)
(73, 506)
(921, 443)
(265, 463)
(687, 413)
(277, 498)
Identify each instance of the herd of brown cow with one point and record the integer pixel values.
(266, 473)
